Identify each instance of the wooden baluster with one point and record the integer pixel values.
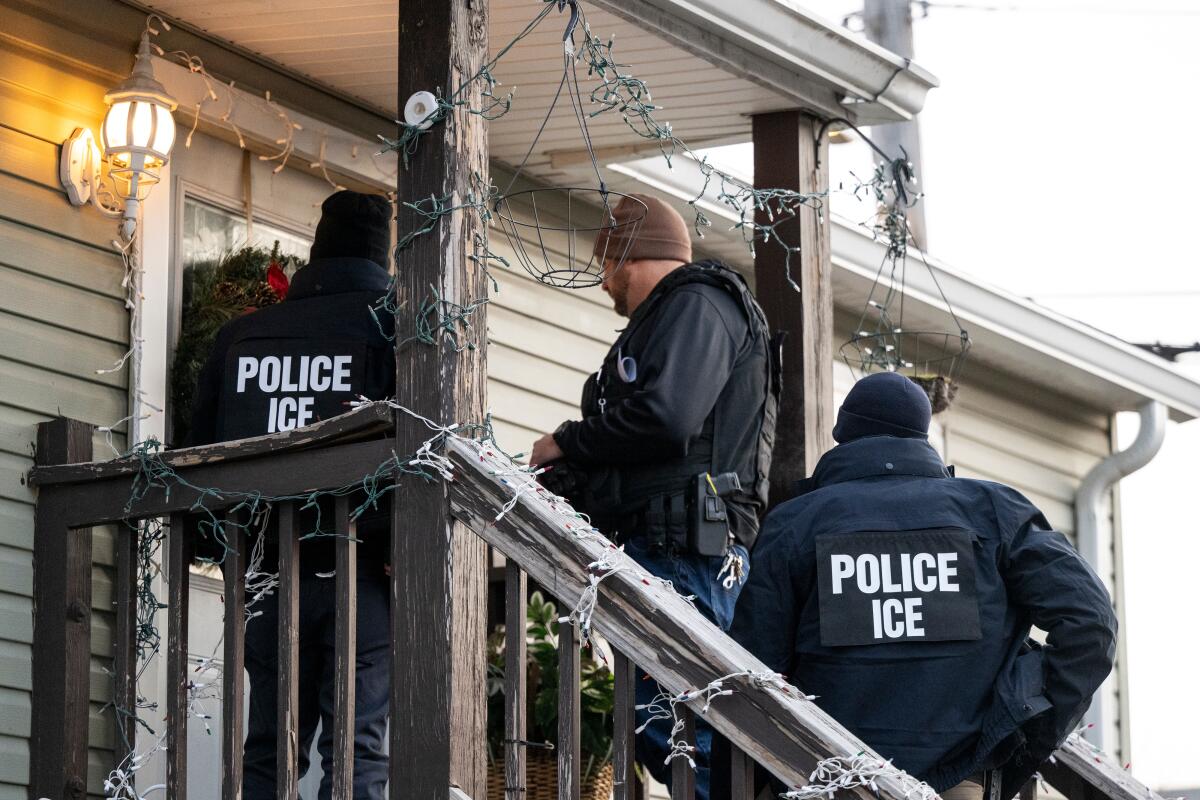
(624, 779)
(741, 774)
(569, 777)
(514, 681)
(345, 653)
(233, 677)
(178, 674)
(125, 593)
(287, 686)
(683, 777)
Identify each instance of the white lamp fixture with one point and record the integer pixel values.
(136, 136)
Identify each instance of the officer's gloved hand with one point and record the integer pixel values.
(564, 479)
(1040, 744)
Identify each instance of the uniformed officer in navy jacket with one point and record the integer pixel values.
(283, 367)
(902, 597)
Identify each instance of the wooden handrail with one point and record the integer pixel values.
(782, 730)
(366, 420)
(657, 629)
(1081, 771)
(646, 622)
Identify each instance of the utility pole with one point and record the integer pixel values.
(889, 23)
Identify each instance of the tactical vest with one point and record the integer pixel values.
(616, 492)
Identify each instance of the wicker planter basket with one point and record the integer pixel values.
(541, 770)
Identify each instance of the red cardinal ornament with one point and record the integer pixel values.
(277, 279)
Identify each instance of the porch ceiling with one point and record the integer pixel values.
(705, 89)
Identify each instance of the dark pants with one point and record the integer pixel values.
(694, 575)
(317, 608)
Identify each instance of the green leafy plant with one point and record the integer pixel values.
(214, 292)
(541, 715)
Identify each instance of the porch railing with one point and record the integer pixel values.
(647, 624)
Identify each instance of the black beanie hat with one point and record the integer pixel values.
(883, 404)
(353, 225)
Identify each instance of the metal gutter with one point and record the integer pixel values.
(1089, 507)
(778, 44)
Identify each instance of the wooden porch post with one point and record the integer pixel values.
(62, 628)
(438, 714)
(786, 157)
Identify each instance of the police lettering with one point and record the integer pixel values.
(286, 374)
(888, 587)
(318, 374)
(893, 618)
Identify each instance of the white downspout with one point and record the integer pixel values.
(1090, 506)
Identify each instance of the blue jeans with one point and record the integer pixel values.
(694, 575)
(317, 607)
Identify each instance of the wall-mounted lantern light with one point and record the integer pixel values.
(136, 137)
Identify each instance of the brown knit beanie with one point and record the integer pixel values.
(662, 233)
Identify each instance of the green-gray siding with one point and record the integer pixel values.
(62, 317)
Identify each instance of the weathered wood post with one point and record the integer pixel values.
(62, 628)
(438, 715)
(787, 155)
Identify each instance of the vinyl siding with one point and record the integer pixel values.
(62, 317)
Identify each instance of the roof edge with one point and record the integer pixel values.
(778, 44)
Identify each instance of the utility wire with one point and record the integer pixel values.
(1116, 293)
(925, 5)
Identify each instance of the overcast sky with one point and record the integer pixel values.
(1058, 164)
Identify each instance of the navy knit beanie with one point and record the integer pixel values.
(353, 225)
(883, 404)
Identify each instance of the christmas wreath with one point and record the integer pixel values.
(215, 292)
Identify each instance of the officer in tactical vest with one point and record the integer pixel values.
(279, 368)
(672, 455)
(902, 597)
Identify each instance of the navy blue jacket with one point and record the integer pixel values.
(942, 710)
(326, 313)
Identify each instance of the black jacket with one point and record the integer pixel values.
(691, 398)
(297, 362)
(969, 692)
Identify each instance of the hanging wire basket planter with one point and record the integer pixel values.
(565, 236)
(930, 359)
(569, 236)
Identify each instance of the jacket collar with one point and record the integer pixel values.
(873, 456)
(707, 271)
(328, 276)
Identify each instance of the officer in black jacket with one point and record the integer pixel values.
(672, 455)
(902, 597)
(283, 367)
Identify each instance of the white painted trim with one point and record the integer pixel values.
(156, 232)
(346, 154)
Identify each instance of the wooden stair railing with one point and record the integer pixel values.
(75, 494)
(646, 623)
(649, 624)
